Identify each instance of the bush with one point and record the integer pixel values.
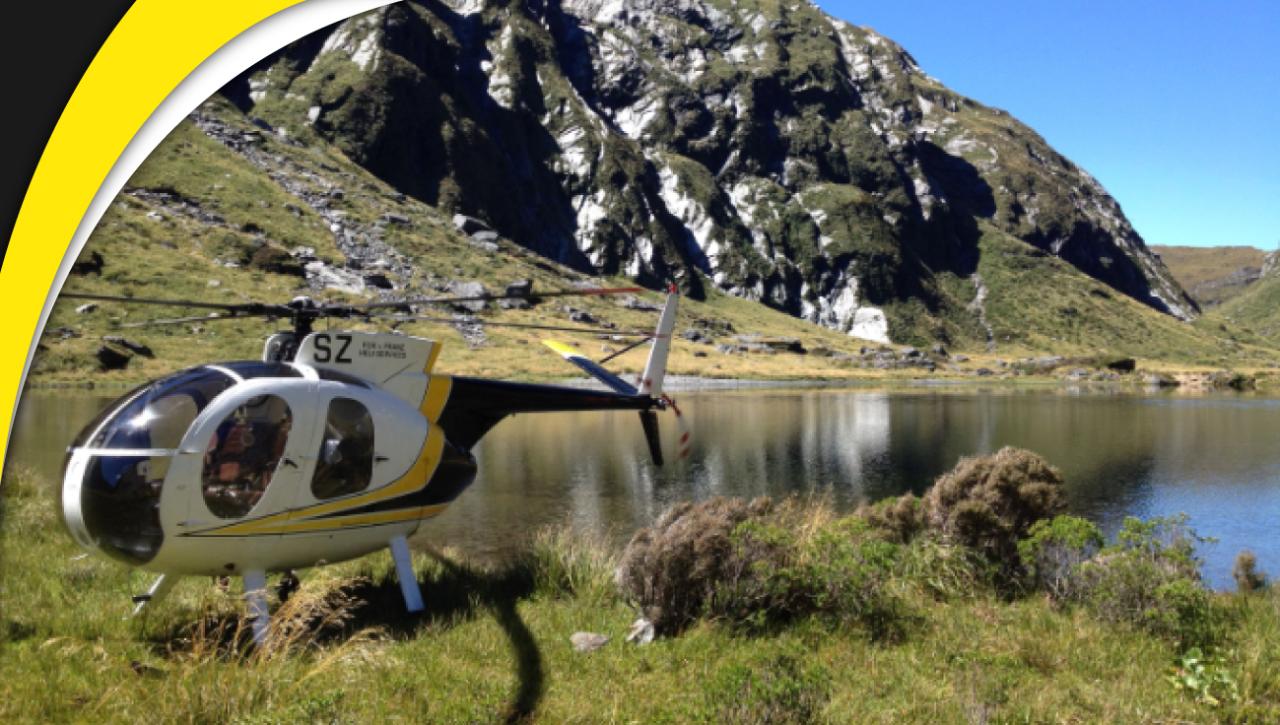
(778, 689)
(1054, 550)
(671, 569)
(1151, 579)
(779, 571)
(990, 502)
(1248, 578)
(757, 565)
(898, 519)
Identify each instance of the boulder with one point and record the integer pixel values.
(469, 224)
(93, 265)
(1159, 380)
(109, 358)
(485, 237)
(134, 347)
(1121, 365)
(468, 289)
(394, 218)
(87, 308)
(518, 287)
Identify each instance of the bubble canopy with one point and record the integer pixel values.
(129, 447)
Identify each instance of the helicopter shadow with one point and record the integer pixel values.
(453, 593)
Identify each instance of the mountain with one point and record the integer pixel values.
(760, 148)
(1212, 275)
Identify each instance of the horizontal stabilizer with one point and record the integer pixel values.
(592, 368)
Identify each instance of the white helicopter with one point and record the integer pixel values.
(334, 445)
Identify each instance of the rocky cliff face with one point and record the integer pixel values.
(764, 148)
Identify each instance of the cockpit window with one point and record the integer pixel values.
(345, 462)
(243, 454)
(120, 501)
(157, 415)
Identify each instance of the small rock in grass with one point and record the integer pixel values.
(588, 641)
(641, 631)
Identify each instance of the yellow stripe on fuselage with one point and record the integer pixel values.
(437, 395)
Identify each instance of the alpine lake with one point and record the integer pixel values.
(1215, 457)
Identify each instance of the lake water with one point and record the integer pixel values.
(1215, 458)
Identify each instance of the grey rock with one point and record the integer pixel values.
(469, 224)
(588, 641)
(378, 281)
(583, 317)
(939, 350)
(631, 302)
(468, 289)
(109, 358)
(483, 237)
(63, 333)
(489, 247)
(695, 335)
(960, 358)
(394, 218)
(87, 308)
(642, 631)
(130, 345)
(983, 372)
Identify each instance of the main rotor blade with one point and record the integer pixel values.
(247, 307)
(489, 298)
(199, 318)
(521, 325)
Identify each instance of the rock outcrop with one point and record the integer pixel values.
(774, 152)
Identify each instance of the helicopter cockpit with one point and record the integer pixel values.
(127, 451)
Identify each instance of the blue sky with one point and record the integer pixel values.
(1174, 106)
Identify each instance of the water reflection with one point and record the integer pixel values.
(1214, 458)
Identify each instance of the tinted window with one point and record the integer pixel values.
(243, 453)
(157, 415)
(120, 501)
(345, 462)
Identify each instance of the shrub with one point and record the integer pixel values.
(898, 519)
(1053, 551)
(1248, 578)
(670, 569)
(757, 565)
(778, 572)
(942, 570)
(1151, 579)
(990, 502)
(779, 689)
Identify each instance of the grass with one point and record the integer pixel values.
(494, 646)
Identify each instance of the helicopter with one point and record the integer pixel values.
(334, 445)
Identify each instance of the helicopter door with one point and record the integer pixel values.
(252, 449)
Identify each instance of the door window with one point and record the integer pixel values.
(243, 454)
(345, 462)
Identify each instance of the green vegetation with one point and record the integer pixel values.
(823, 618)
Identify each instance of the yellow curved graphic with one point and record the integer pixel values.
(157, 44)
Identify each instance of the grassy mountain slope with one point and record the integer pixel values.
(1257, 309)
(1213, 275)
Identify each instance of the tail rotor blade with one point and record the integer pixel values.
(649, 421)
